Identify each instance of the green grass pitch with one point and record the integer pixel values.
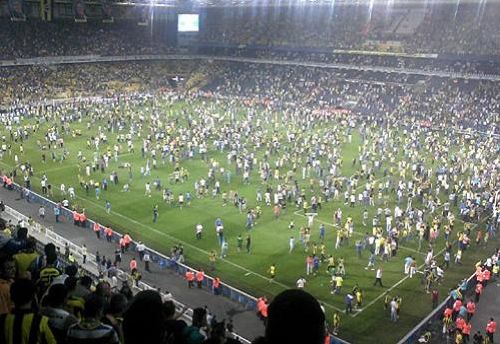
(132, 212)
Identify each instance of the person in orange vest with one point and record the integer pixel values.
(459, 323)
(471, 309)
(133, 264)
(466, 328)
(262, 308)
(76, 218)
(190, 278)
(109, 234)
(216, 285)
(491, 328)
(97, 230)
(447, 312)
(479, 275)
(83, 219)
(456, 308)
(486, 276)
(128, 240)
(478, 290)
(200, 276)
(122, 244)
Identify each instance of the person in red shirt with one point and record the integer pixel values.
(435, 298)
(466, 328)
(491, 328)
(486, 276)
(479, 275)
(83, 219)
(478, 290)
(200, 276)
(122, 244)
(109, 234)
(127, 239)
(133, 264)
(97, 230)
(216, 285)
(456, 308)
(459, 323)
(76, 218)
(262, 308)
(190, 278)
(471, 309)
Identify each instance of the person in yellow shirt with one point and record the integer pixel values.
(34, 328)
(272, 272)
(25, 258)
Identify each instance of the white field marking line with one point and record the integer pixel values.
(55, 169)
(298, 212)
(201, 250)
(401, 281)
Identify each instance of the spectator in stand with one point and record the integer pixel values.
(22, 293)
(59, 319)
(113, 315)
(192, 333)
(144, 320)
(90, 329)
(7, 275)
(173, 326)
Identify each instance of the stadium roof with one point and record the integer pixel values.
(274, 3)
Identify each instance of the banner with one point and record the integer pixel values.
(16, 10)
(107, 11)
(79, 11)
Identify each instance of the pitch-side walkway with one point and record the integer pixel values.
(245, 322)
(487, 307)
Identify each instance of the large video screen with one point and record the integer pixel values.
(188, 23)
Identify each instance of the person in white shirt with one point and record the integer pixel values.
(199, 231)
(140, 248)
(301, 282)
(291, 244)
(378, 277)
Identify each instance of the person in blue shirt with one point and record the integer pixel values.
(57, 213)
(322, 232)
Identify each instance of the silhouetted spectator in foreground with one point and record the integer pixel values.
(295, 317)
(144, 321)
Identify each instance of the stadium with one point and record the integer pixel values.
(249, 171)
